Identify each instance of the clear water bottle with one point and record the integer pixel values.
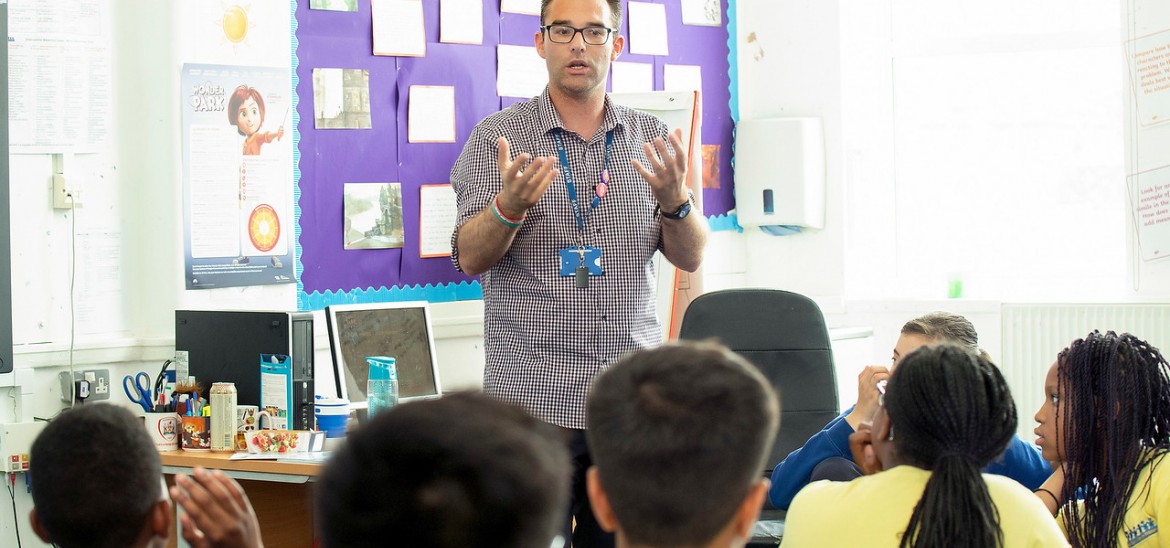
(382, 384)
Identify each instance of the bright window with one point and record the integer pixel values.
(1002, 138)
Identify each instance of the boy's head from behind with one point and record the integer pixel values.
(678, 436)
(461, 470)
(96, 481)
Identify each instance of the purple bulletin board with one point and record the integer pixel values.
(329, 158)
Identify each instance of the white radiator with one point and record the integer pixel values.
(1033, 334)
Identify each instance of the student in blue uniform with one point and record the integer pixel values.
(826, 455)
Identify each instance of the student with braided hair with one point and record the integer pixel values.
(945, 415)
(1106, 417)
(826, 455)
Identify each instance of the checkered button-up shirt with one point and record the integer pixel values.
(546, 339)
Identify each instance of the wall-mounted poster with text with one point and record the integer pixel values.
(237, 168)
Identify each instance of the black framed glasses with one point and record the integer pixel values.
(563, 34)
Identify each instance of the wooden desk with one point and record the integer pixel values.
(279, 491)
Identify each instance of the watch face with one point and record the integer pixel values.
(681, 212)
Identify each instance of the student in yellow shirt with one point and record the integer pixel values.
(1106, 417)
(945, 414)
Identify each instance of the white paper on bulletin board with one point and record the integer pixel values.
(398, 28)
(528, 7)
(1150, 206)
(520, 71)
(436, 220)
(431, 114)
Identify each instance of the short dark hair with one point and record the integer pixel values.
(615, 11)
(679, 434)
(951, 412)
(95, 476)
(462, 470)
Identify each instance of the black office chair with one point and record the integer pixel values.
(784, 335)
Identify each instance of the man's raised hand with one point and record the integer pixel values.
(667, 174)
(524, 181)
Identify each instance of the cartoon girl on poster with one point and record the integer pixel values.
(246, 112)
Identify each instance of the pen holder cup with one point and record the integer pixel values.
(163, 429)
(196, 435)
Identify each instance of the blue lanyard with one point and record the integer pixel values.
(572, 189)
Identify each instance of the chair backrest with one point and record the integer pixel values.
(784, 335)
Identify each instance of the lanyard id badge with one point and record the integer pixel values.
(582, 261)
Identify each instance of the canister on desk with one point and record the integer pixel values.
(223, 416)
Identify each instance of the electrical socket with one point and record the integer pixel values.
(100, 387)
(99, 383)
(66, 192)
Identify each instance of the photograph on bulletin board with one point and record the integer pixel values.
(237, 161)
(373, 215)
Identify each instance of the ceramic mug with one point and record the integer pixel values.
(250, 419)
(246, 417)
(163, 429)
(196, 434)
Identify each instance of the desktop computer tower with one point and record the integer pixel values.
(225, 346)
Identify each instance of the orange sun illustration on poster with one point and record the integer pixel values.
(264, 228)
(235, 22)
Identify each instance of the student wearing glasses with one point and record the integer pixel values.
(945, 415)
(562, 202)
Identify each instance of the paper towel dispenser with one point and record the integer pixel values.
(780, 172)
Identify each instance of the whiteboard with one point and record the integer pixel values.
(679, 110)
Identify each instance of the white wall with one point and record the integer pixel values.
(789, 65)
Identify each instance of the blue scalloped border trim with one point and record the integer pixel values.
(726, 222)
(732, 65)
(730, 221)
(436, 293)
(298, 268)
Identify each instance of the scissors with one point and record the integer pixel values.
(139, 391)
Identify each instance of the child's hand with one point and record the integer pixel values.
(867, 394)
(861, 445)
(217, 512)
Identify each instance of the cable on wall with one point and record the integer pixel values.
(11, 485)
(72, 296)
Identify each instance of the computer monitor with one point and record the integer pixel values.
(399, 329)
